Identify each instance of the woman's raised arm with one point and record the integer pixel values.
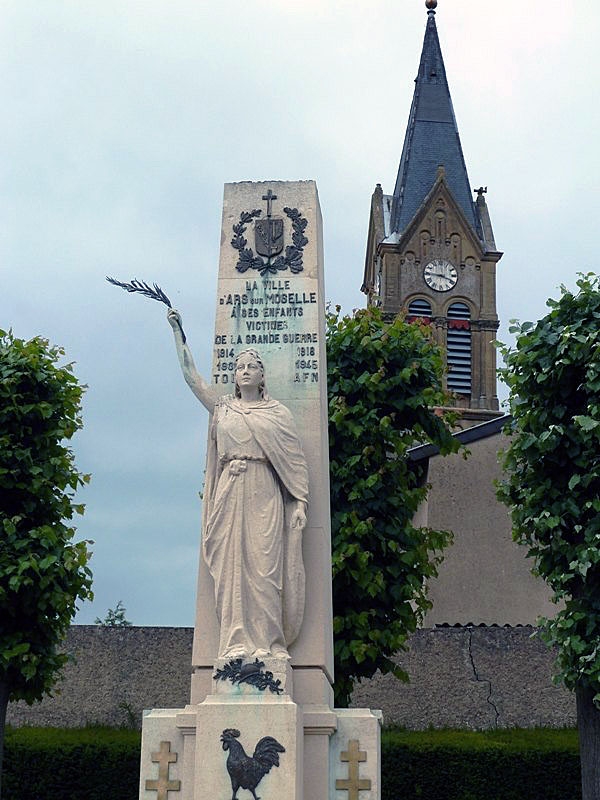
(194, 380)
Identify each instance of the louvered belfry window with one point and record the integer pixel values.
(458, 348)
(419, 309)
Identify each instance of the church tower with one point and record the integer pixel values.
(431, 252)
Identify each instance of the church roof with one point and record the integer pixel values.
(431, 140)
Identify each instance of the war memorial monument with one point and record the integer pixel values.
(261, 722)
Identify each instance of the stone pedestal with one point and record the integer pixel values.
(328, 754)
(271, 720)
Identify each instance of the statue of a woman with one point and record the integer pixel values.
(255, 502)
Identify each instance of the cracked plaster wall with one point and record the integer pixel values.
(460, 677)
(476, 678)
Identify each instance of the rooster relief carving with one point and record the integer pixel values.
(247, 772)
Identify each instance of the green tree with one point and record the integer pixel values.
(115, 617)
(553, 488)
(384, 380)
(43, 572)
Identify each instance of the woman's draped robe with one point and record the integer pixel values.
(255, 471)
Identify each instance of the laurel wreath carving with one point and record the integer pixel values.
(237, 672)
(293, 252)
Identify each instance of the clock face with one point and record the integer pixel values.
(440, 275)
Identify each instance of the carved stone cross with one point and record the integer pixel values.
(163, 785)
(353, 784)
(269, 197)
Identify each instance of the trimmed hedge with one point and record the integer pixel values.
(71, 764)
(101, 763)
(538, 764)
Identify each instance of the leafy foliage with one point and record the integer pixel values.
(43, 573)
(553, 469)
(115, 617)
(384, 378)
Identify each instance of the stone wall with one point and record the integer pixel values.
(476, 677)
(116, 672)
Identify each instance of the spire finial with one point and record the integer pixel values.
(431, 5)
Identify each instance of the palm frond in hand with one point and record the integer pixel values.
(154, 292)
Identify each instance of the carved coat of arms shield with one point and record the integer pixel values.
(268, 236)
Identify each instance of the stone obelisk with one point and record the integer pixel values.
(261, 709)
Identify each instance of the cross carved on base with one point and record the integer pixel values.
(353, 784)
(164, 758)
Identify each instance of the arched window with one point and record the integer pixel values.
(419, 309)
(458, 348)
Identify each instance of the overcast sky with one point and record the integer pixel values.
(123, 120)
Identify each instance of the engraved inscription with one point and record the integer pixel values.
(268, 312)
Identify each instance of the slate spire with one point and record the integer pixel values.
(431, 140)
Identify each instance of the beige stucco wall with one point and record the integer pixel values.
(485, 576)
